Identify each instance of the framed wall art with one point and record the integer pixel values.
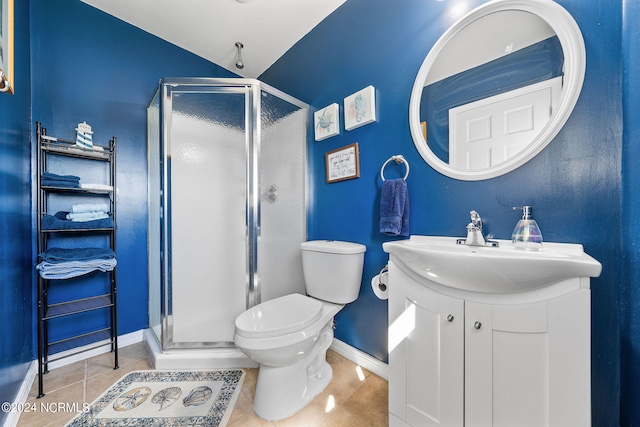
(326, 122)
(6, 46)
(360, 108)
(342, 163)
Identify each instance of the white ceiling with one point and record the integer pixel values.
(210, 28)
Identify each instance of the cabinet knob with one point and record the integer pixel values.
(477, 325)
(450, 318)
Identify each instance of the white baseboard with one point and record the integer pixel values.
(123, 341)
(23, 394)
(363, 359)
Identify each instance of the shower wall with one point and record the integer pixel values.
(227, 205)
(282, 197)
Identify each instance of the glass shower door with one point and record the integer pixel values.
(206, 214)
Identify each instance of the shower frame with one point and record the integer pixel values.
(253, 90)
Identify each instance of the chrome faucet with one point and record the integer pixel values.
(474, 233)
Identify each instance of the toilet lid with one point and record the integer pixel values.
(286, 314)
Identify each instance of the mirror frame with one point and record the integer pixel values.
(573, 49)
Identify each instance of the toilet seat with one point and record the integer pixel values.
(279, 316)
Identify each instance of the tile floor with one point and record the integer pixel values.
(355, 397)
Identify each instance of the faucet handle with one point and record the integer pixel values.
(475, 219)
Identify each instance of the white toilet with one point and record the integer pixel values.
(289, 336)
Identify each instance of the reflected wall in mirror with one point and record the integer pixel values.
(496, 88)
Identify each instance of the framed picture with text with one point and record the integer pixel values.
(342, 163)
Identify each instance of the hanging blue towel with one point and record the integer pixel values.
(394, 208)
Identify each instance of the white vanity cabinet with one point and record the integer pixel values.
(461, 358)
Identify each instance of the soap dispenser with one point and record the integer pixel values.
(527, 234)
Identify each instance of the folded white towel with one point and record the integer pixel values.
(90, 207)
(100, 187)
(66, 270)
(86, 216)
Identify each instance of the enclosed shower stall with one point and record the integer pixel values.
(227, 212)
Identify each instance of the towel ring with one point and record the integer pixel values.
(398, 159)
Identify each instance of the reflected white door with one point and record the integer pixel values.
(487, 132)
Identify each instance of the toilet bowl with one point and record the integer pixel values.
(291, 353)
(289, 336)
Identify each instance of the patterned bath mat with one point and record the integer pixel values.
(167, 399)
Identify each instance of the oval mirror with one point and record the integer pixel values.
(496, 88)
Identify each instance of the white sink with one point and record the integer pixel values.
(502, 269)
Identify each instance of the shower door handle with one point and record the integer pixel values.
(271, 194)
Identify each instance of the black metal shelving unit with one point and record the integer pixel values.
(50, 351)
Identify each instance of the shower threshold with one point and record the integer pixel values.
(214, 358)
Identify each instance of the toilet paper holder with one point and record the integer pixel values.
(383, 286)
(380, 283)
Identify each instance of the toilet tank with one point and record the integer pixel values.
(333, 269)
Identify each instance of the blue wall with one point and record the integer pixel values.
(574, 185)
(630, 237)
(15, 220)
(89, 66)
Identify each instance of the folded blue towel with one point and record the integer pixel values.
(394, 208)
(59, 222)
(62, 215)
(61, 183)
(54, 255)
(55, 177)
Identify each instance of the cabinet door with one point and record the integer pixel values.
(528, 364)
(425, 354)
(506, 365)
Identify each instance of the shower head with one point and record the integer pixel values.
(239, 63)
